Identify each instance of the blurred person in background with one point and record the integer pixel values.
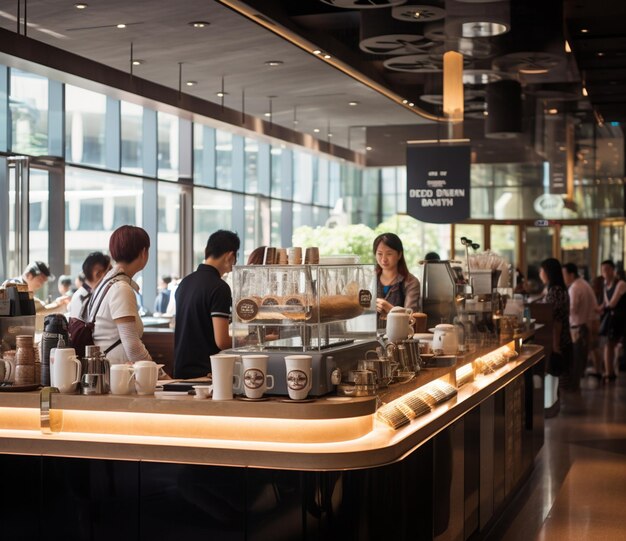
(163, 296)
(613, 322)
(35, 275)
(95, 266)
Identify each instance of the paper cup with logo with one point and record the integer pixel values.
(299, 375)
(224, 379)
(255, 377)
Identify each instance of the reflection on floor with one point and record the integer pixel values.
(578, 488)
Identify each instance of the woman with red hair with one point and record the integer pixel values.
(118, 327)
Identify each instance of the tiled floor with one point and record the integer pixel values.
(577, 490)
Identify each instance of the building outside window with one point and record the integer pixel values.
(28, 107)
(85, 121)
(132, 137)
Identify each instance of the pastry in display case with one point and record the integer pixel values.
(326, 311)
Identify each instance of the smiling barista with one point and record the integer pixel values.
(396, 286)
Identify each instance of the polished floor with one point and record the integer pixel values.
(577, 490)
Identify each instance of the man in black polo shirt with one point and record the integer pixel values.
(203, 306)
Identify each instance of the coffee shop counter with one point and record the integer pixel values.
(328, 469)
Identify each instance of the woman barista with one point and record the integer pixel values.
(396, 286)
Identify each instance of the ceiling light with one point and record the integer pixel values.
(533, 71)
(221, 94)
(568, 49)
(121, 25)
(585, 93)
(327, 56)
(80, 6)
(267, 114)
(600, 54)
(330, 135)
(482, 29)
(316, 130)
(584, 30)
(274, 63)
(485, 113)
(368, 148)
(411, 104)
(295, 122)
(199, 24)
(353, 103)
(137, 62)
(317, 51)
(191, 83)
(553, 111)
(405, 101)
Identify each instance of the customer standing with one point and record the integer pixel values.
(95, 266)
(35, 275)
(582, 313)
(203, 308)
(613, 317)
(118, 327)
(396, 286)
(551, 275)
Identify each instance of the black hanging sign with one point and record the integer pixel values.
(438, 181)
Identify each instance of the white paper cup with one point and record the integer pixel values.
(222, 370)
(299, 375)
(255, 376)
(121, 376)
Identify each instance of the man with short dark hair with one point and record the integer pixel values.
(582, 311)
(95, 267)
(203, 307)
(35, 275)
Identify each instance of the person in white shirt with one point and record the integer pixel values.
(582, 311)
(118, 327)
(95, 266)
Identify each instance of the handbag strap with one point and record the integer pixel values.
(109, 282)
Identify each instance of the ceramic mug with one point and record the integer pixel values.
(255, 376)
(299, 375)
(146, 376)
(65, 372)
(222, 370)
(121, 375)
(399, 324)
(7, 370)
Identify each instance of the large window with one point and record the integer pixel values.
(211, 211)
(251, 165)
(224, 159)
(96, 203)
(276, 171)
(85, 121)
(28, 104)
(168, 257)
(168, 146)
(302, 177)
(132, 137)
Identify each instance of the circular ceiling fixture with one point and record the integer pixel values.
(413, 63)
(363, 4)
(468, 95)
(469, 48)
(528, 63)
(418, 13)
(482, 29)
(480, 77)
(393, 44)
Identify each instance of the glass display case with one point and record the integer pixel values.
(303, 307)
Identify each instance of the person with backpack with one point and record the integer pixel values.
(113, 305)
(95, 266)
(396, 286)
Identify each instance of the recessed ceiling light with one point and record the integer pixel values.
(267, 114)
(316, 130)
(199, 24)
(317, 51)
(353, 103)
(600, 54)
(485, 113)
(137, 62)
(405, 101)
(553, 111)
(191, 83)
(568, 48)
(533, 71)
(368, 148)
(584, 30)
(411, 104)
(585, 93)
(330, 135)
(416, 14)
(274, 63)
(121, 25)
(327, 56)
(295, 122)
(81, 6)
(221, 94)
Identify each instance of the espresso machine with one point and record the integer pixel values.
(442, 291)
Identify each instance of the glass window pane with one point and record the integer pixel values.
(85, 121)
(96, 203)
(538, 246)
(167, 146)
(211, 211)
(132, 137)
(575, 247)
(302, 177)
(276, 168)
(38, 236)
(251, 165)
(169, 230)
(504, 242)
(276, 233)
(28, 103)
(257, 214)
(471, 231)
(224, 159)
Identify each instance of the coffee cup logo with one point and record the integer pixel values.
(297, 380)
(253, 378)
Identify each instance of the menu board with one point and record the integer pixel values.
(438, 181)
